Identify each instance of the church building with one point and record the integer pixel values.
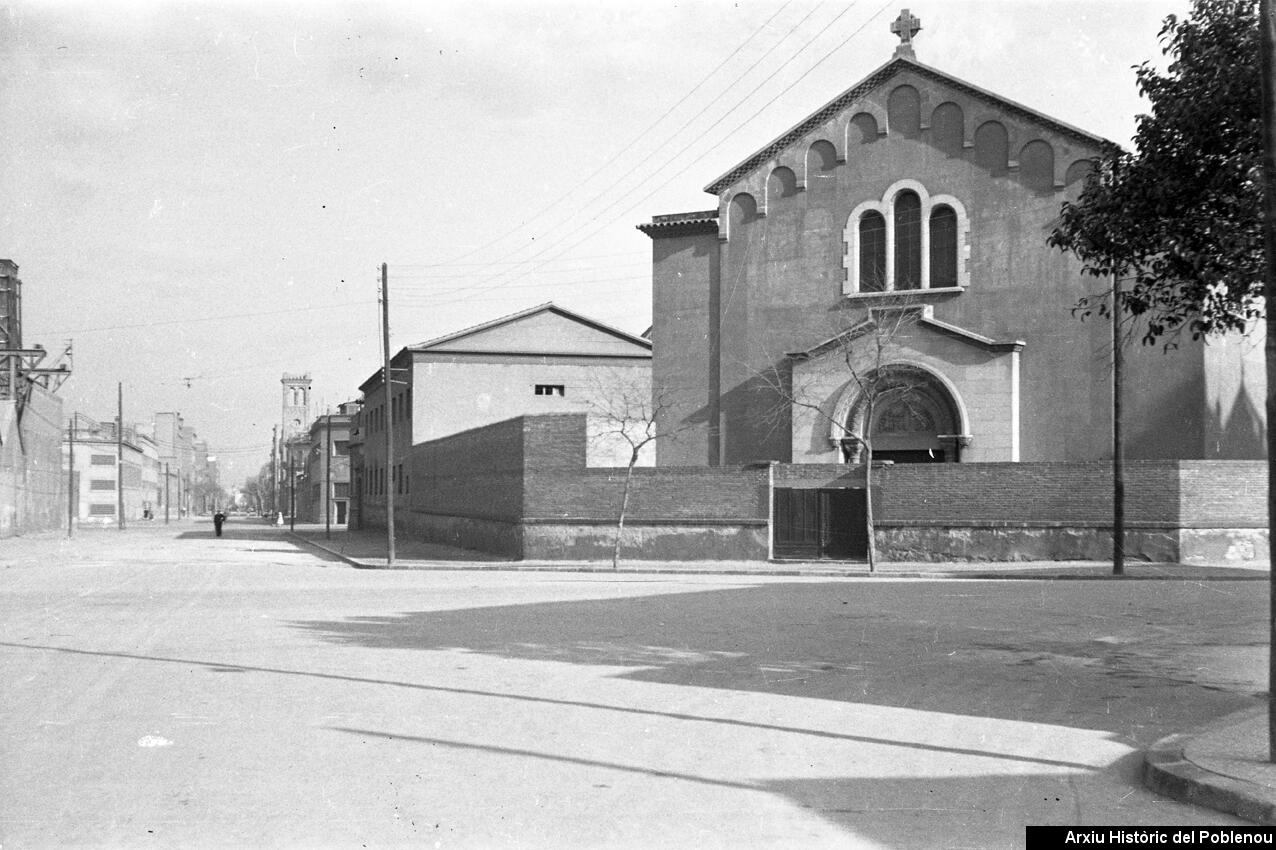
(896, 239)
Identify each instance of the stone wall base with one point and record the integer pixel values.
(647, 541)
(1223, 545)
(483, 535)
(1069, 543)
(585, 540)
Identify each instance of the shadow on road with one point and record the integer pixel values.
(1111, 658)
(252, 533)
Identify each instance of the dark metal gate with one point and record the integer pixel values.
(820, 524)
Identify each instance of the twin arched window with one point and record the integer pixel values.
(908, 240)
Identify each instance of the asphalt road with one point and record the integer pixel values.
(163, 688)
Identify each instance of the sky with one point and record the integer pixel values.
(200, 195)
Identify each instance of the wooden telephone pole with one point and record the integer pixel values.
(1267, 62)
(389, 421)
(119, 454)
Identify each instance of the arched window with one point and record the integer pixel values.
(943, 246)
(908, 240)
(872, 252)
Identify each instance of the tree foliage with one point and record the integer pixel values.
(1179, 220)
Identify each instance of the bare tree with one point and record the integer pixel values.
(628, 413)
(862, 356)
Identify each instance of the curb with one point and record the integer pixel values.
(313, 545)
(774, 569)
(1168, 772)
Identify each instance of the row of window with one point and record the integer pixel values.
(374, 483)
(942, 255)
(400, 412)
(909, 240)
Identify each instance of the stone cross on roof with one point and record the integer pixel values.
(906, 26)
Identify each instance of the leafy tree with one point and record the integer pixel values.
(1179, 220)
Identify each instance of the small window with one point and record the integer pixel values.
(101, 510)
(943, 247)
(102, 460)
(872, 252)
(101, 484)
(908, 240)
(550, 389)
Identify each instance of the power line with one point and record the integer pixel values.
(640, 135)
(222, 318)
(557, 225)
(692, 162)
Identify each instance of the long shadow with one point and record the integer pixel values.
(1107, 657)
(902, 812)
(219, 667)
(235, 533)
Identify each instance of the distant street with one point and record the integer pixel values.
(164, 688)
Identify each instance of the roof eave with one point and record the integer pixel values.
(874, 79)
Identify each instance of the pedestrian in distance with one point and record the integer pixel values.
(218, 519)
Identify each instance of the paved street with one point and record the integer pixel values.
(164, 688)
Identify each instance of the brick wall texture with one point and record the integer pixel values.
(533, 467)
(1178, 493)
(531, 471)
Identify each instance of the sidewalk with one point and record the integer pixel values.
(367, 550)
(1222, 766)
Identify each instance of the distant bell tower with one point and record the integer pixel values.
(296, 406)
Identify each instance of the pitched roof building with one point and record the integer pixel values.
(546, 359)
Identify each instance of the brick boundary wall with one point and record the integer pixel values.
(521, 488)
(1176, 510)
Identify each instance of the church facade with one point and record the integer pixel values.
(882, 269)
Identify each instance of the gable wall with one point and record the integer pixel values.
(456, 392)
(782, 271)
(545, 332)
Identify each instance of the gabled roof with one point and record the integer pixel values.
(895, 66)
(544, 330)
(464, 340)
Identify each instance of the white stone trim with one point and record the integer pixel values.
(1014, 406)
(850, 395)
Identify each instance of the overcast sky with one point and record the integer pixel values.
(200, 194)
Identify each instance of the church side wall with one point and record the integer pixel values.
(1235, 389)
(684, 342)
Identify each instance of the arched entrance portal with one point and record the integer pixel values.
(915, 418)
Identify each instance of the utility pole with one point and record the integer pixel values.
(274, 471)
(1267, 61)
(389, 421)
(119, 452)
(292, 494)
(167, 504)
(327, 483)
(1118, 437)
(72, 496)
